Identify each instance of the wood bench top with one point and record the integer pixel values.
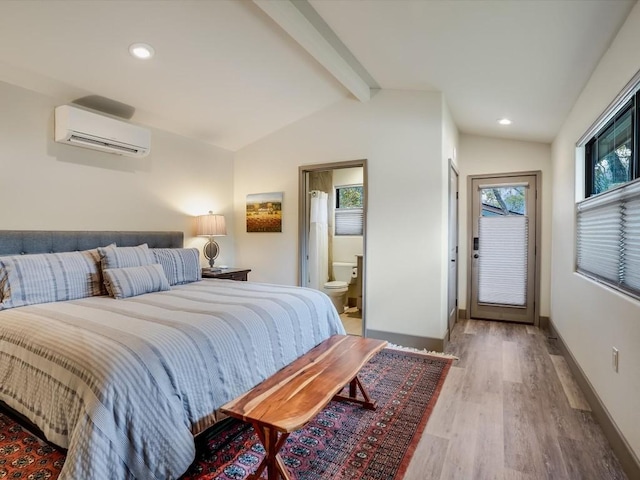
(291, 397)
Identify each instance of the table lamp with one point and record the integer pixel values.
(211, 226)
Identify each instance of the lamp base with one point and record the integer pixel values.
(211, 251)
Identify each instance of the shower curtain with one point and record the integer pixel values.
(318, 241)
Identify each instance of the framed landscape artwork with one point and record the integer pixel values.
(264, 212)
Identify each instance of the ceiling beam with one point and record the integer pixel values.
(292, 21)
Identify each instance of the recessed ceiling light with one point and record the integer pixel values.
(504, 121)
(141, 50)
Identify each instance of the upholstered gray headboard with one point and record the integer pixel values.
(16, 242)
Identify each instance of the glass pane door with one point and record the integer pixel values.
(503, 263)
(503, 228)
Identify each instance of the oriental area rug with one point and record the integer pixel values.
(344, 441)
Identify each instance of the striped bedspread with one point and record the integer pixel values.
(124, 384)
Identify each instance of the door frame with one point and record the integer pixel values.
(538, 238)
(304, 208)
(454, 169)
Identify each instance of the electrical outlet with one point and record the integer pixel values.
(614, 359)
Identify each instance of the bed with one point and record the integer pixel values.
(126, 384)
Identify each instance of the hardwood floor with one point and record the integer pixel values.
(510, 409)
(352, 321)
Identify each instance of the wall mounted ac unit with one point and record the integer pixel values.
(75, 126)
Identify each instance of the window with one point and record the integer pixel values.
(500, 201)
(608, 238)
(608, 220)
(611, 156)
(349, 212)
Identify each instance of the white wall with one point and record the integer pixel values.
(483, 155)
(399, 133)
(346, 247)
(45, 185)
(591, 318)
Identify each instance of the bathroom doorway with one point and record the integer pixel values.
(332, 236)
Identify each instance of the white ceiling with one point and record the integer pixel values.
(226, 73)
(525, 60)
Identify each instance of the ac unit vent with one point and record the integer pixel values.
(82, 128)
(98, 143)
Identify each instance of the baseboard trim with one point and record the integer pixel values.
(626, 456)
(432, 344)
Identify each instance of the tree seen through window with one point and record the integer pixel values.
(349, 197)
(503, 201)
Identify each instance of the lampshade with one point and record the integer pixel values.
(211, 225)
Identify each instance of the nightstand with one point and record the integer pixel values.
(238, 274)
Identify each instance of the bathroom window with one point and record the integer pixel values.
(349, 216)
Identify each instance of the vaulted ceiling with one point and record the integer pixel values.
(229, 72)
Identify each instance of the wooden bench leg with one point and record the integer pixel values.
(272, 461)
(355, 385)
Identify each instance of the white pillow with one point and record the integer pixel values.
(181, 265)
(120, 257)
(49, 277)
(131, 281)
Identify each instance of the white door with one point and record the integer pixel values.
(453, 248)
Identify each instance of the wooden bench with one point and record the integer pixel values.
(289, 399)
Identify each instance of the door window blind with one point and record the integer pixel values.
(608, 238)
(349, 221)
(502, 272)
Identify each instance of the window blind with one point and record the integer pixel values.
(349, 221)
(608, 238)
(632, 244)
(502, 272)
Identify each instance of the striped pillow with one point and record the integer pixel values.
(181, 265)
(122, 257)
(131, 281)
(49, 277)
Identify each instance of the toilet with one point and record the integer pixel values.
(344, 274)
